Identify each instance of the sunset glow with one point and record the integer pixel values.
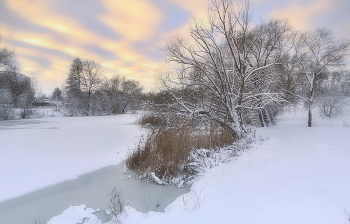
(128, 37)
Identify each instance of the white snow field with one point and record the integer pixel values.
(296, 175)
(36, 153)
(49, 164)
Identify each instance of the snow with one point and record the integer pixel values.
(297, 175)
(156, 179)
(36, 153)
(76, 214)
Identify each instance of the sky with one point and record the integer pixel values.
(127, 37)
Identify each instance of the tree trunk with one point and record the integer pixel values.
(309, 122)
(239, 103)
(261, 118)
(310, 116)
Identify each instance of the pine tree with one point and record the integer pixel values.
(57, 94)
(76, 99)
(74, 77)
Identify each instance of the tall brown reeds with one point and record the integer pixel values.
(166, 151)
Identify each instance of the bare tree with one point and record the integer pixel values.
(7, 62)
(83, 80)
(131, 90)
(332, 93)
(226, 62)
(16, 90)
(120, 93)
(27, 97)
(317, 52)
(5, 104)
(91, 77)
(6, 65)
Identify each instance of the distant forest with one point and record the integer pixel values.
(230, 72)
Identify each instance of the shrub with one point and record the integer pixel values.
(166, 151)
(5, 112)
(5, 104)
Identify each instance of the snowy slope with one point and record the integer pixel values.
(298, 175)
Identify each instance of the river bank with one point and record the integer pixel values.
(49, 164)
(92, 189)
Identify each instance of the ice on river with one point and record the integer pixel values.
(36, 153)
(297, 175)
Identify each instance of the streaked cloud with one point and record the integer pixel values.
(127, 37)
(135, 20)
(301, 14)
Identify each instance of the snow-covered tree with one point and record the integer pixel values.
(317, 52)
(16, 90)
(75, 99)
(56, 94)
(74, 77)
(119, 94)
(83, 80)
(5, 104)
(332, 93)
(7, 60)
(91, 78)
(57, 98)
(229, 64)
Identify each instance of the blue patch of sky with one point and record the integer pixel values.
(158, 56)
(150, 50)
(261, 10)
(337, 15)
(16, 22)
(174, 15)
(334, 19)
(86, 12)
(100, 51)
(41, 61)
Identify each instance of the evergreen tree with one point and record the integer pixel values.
(74, 77)
(76, 100)
(57, 94)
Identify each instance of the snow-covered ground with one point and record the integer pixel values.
(296, 175)
(36, 153)
(49, 164)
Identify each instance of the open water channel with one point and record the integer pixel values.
(92, 189)
(49, 164)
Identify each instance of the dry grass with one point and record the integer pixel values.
(166, 151)
(151, 119)
(116, 203)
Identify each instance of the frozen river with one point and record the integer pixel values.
(49, 164)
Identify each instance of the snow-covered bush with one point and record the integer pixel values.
(178, 154)
(5, 104)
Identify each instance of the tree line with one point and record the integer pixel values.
(230, 76)
(235, 74)
(87, 91)
(16, 90)
(231, 72)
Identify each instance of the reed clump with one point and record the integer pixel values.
(166, 150)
